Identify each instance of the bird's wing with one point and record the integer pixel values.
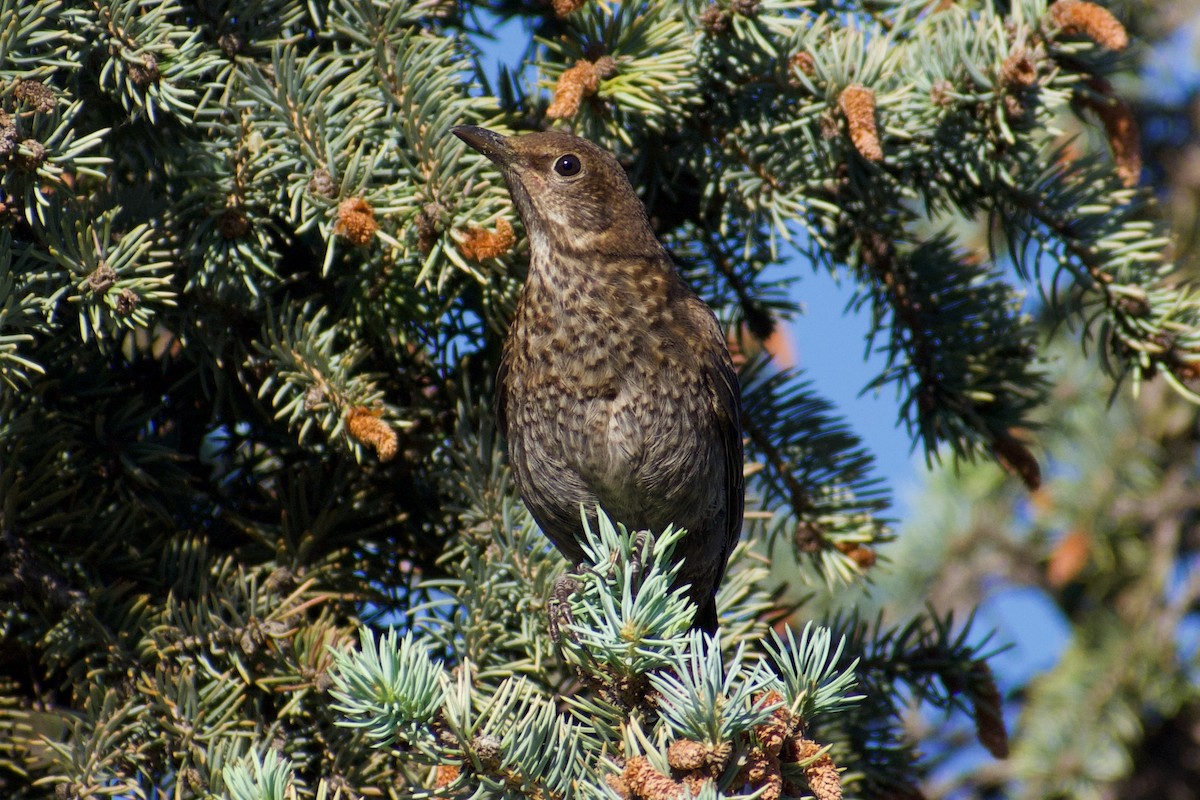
(727, 403)
(501, 401)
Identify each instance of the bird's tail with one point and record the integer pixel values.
(706, 616)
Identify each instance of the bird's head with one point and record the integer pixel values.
(568, 191)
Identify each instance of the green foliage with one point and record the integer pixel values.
(815, 466)
(807, 670)
(267, 778)
(399, 678)
(1106, 551)
(650, 684)
(704, 700)
(625, 616)
(248, 335)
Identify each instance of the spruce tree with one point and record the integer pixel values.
(1106, 548)
(257, 534)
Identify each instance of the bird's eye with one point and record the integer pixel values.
(567, 165)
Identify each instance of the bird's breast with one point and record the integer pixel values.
(612, 401)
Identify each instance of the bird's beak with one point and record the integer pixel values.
(491, 144)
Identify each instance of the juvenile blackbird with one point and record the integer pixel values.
(616, 386)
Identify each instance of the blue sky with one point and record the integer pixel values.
(830, 343)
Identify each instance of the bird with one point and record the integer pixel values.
(616, 387)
